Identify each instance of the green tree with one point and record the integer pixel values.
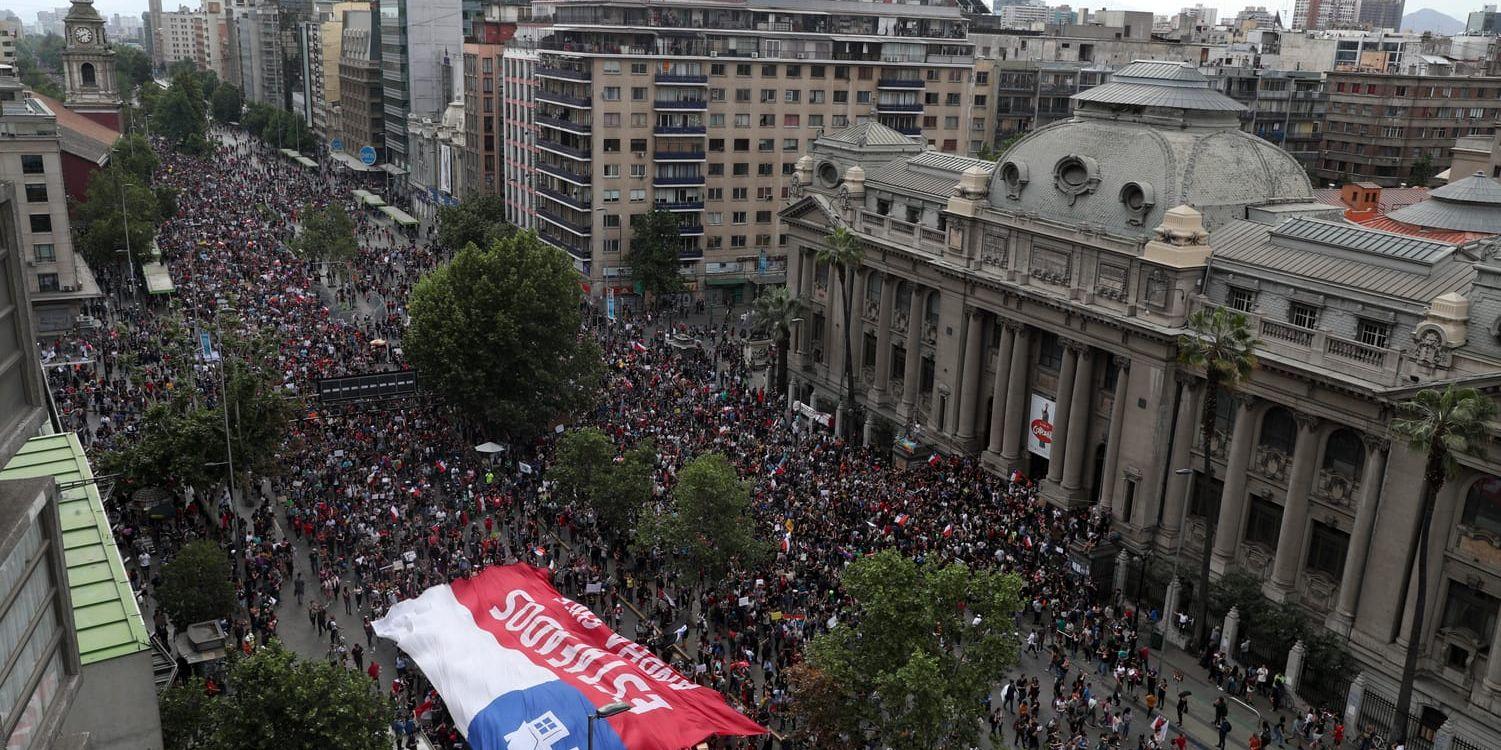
(582, 459)
(895, 667)
(134, 154)
(227, 103)
(132, 67)
(1221, 344)
(149, 95)
(1441, 424)
(1422, 171)
(707, 528)
(653, 257)
(326, 234)
(841, 249)
(479, 220)
(178, 116)
(39, 63)
(773, 314)
(116, 201)
(586, 469)
(496, 332)
(276, 700)
(196, 585)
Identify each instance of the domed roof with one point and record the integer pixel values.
(1469, 205)
(1160, 138)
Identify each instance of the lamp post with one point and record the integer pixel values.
(604, 712)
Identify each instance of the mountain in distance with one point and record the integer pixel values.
(1428, 19)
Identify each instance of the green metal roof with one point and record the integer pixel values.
(105, 612)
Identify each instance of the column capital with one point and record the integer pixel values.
(1121, 361)
(1014, 326)
(1375, 443)
(1307, 422)
(1077, 347)
(978, 313)
(1245, 401)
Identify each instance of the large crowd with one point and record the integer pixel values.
(373, 505)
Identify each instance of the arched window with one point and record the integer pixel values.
(873, 283)
(903, 296)
(931, 310)
(1483, 506)
(86, 71)
(1344, 454)
(1278, 430)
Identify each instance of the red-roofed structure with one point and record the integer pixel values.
(86, 146)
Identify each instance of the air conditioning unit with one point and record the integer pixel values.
(67, 287)
(713, 53)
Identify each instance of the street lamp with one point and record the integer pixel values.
(605, 712)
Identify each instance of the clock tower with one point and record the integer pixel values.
(89, 67)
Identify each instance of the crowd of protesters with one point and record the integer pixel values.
(372, 506)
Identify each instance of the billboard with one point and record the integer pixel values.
(521, 666)
(1040, 425)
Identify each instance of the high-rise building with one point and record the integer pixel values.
(1310, 15)
(361, 95)
(331, 41)
(258, 44)
(483, 101)
(421, 43)
(1484, 22)
(518, 163)
(1381, 14)
(184, 36)
(701, 109)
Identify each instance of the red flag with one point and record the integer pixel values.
(948, 531)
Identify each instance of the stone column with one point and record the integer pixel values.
(1371, 475)
(1294, 672)
(857, 327)
(1061, 414)
(1122, 569)
(1017, 401)
(1185, 427)
(1170, 605)
(882, 382)
(808, 266)
(1111, 471)
(1492, 680)
(1233, 499)
(911, 367)
(1229, 633)
(1294, 527)
(1080, 416)
(1355, 699)
(998, 389)
(1443, 738)
(969, 384)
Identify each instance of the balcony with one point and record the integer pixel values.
(566, 100)
(679, 205)
(900, 83)
(681, 105)
(581, 230)
(564, 198)
(680, 130)
(571, 152)
(678, 181)
(888, 108)
(566, 175)
(569, 246)
(563, 74)
(690, 230)
(682, 79)
(915, 237)
(577, 128)
(680, 156)
(691, 253)
(1324, 351)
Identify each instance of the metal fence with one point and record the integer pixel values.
(1376, 711)
(1324, 688)
(1461, 743)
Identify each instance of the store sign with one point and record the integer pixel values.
(1040, 426)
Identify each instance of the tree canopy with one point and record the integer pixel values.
(585, 468)
(326, 234)
(134, 153)
(179, 115)
(115, 201)
(893, 670)
(196, 585)
(227, 103)
(132, 67)
(496, 332)
(276, 700)
(653, 257)
(706, 527)
(277, 127)
(478, 220)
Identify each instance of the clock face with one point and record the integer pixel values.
(83, 34)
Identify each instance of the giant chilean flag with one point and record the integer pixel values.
(521, 667)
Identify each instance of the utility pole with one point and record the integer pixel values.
(130, 264)
(229, 453)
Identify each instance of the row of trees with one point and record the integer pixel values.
(278, 127)
(120, 205)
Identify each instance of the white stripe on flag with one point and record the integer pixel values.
(468, 667)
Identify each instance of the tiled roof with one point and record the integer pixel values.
(105, 613)
(1160, 83)
(1388, 224)
(81, 136)
(1390, 199)
(1347, 237)
(868, 133)
(932, 174)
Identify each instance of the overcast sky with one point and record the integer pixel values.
(27, 9)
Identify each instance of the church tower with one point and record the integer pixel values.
(89, 67)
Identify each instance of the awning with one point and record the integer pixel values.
(399, 216)
(368, 198)
(352, 162)
(290, 153)
(158, 279)
(735, 280)
(306, 162)
(393, 169)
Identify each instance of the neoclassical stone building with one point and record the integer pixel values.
(1028, 312)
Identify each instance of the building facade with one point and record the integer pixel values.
(1381, 14)
(89, 67)
(421, 46)
(259, 49)
(1380, 127)
(1028, 313)
(707, 121)
(518, 162)
(361, 93)
(185, 37)
(484, 100)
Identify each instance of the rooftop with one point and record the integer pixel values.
(80, 135)
(105, 613)
(1472, 204)
(1160, 83)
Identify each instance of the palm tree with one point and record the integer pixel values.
(773, 313)
(1440, 423)
(841, 249)
(1222, 345)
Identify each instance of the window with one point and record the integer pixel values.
(716, 120)
(1483, 506)
(714, 218)
(764, 169)
(1344, 454)
(36, 192)
(612, 170)
(763, 217)
(816, 96)
(638, 145)
(716, 95)
(1279, 431)
(716, 194)
(1326, 550)
(738, 194)
(32, 164)
(742, 69)
(868, 350)
(768, 120)
(841, 97)
(638, 195)
(638, 170)
(638, 93)
(768, 96)
(611, 196)
(1303, 315)
(737, 240)
(768, 71)
(716, 145)
(1243, 300)
(612, 245)
(791, 121)
(41, 223)
(1263, 522)
(793, 96)
(611, 94)
(738, 217)
(716, 169)
(743, 96)
(612, 67)
(612, 145)
(742, 121)
(789, 144)
(1373, 333)
(47, 282)
(763, 193)
(951, 122)
(716, 69)
(766, 144)
(898, 361)
(1472, 611)
(741, 169)
(611, 221)
(1049, 352)
(638, 69)
(43, 253)
(794, 71)
(612, 119)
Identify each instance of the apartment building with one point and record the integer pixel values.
(1379, 127)
(702, 108)
(259, 45)
(484, 98)
(1031, 94)
(519, 128)
(184, 36)
(361, 94)
(421, 45)
(1325, 14)
(10, 34)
